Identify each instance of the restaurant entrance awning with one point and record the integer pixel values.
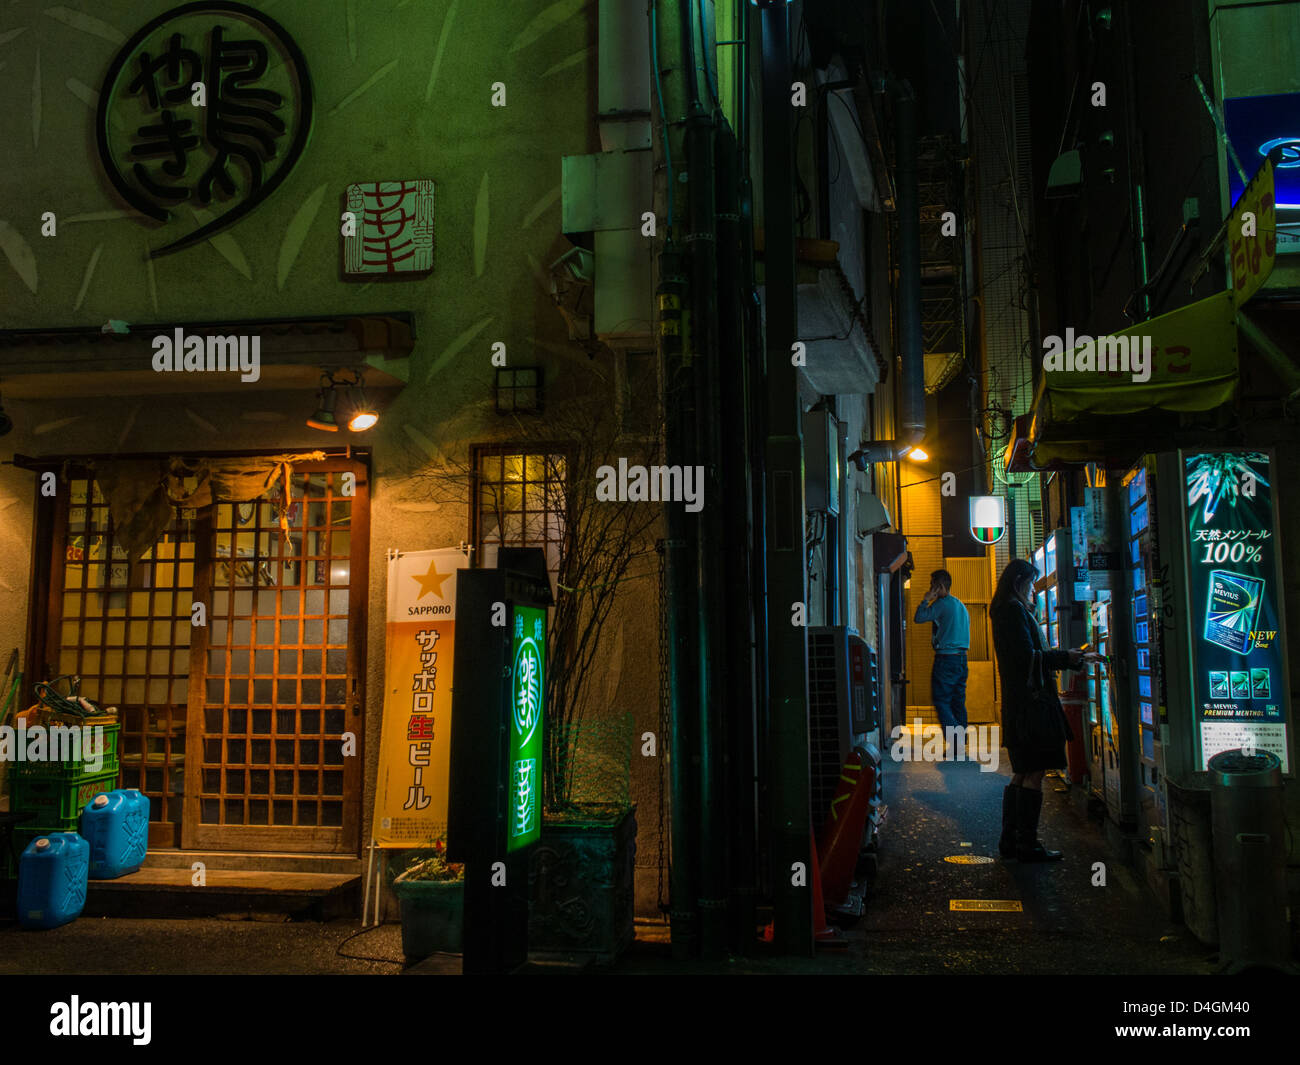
(60, 363)
(1114, 395)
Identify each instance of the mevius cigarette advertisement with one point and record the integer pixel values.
(1238, 645)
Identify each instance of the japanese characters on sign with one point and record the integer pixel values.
(1238, 643)
(420, 726)
(1103, 553)
(415, 744)
(206, 108)
(1079, 554)
(393, 232)
(527, 692)
(1252, 235)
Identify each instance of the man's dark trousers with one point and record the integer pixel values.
(948, 688)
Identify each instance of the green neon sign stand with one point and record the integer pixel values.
(494, 810)
(527, 694)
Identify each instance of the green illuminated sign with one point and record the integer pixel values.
(527, 692)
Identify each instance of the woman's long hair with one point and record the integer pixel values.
(1018, 569)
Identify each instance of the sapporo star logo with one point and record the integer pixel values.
(430, 582)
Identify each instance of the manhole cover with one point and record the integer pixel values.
(1006, 905)
(969, 859)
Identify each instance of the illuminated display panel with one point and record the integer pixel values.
(1239, 678)
(527, 701)
(1257, 124)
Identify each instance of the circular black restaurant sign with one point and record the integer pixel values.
(203, 113)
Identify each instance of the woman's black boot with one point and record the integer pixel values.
(1029, 847)
(1007, 844)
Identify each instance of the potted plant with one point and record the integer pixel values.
(431, 893)
(582, 871)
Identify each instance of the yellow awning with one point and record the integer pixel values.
(1191, 354)
(1187, 360)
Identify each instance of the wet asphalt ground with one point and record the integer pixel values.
(1067, 925)
(935, 810)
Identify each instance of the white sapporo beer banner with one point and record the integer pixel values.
(415, 744)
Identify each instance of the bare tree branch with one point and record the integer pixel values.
(598, 541)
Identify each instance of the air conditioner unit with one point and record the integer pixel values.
(823, 464)
(843, 712)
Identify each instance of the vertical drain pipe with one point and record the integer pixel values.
(701, 248)
(909, 425)
(912, 409)
(679, 547)
(735, 502)
(756, 720)
(786, 764)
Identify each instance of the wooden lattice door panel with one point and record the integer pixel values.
(125, 630)
(275, 682)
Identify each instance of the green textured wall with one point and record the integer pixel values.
(386, 107)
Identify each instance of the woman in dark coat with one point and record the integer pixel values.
(1016, 637)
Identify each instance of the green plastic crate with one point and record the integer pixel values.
(54, 800)
(74, 771)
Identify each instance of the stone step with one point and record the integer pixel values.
(160, 892)
(255, 861)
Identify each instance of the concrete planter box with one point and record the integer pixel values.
(433, 916)
(580, 884)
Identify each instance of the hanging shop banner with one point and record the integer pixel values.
(1103, 551)
(1079, 553)
(415, 745)
(1252, 235)
(1235, 589)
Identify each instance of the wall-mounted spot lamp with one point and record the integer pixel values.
(326, 398)
(886, 451)
(364, 416)
(361, 414)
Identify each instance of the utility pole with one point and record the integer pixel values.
(787, 741)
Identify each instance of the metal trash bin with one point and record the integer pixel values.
(1250, 859)
(1192, 841)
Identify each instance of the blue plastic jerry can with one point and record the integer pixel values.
(52, 880)
(116, 825)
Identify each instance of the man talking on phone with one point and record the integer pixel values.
(951, 640)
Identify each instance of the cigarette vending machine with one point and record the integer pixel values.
(1102, 726)
(1224, 680)
(1056, 598)
(1110, 628)
(1045, 596)
(1147, 588)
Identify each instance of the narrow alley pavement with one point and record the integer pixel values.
(948, 810)
(936, 811)
(1065, 925)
